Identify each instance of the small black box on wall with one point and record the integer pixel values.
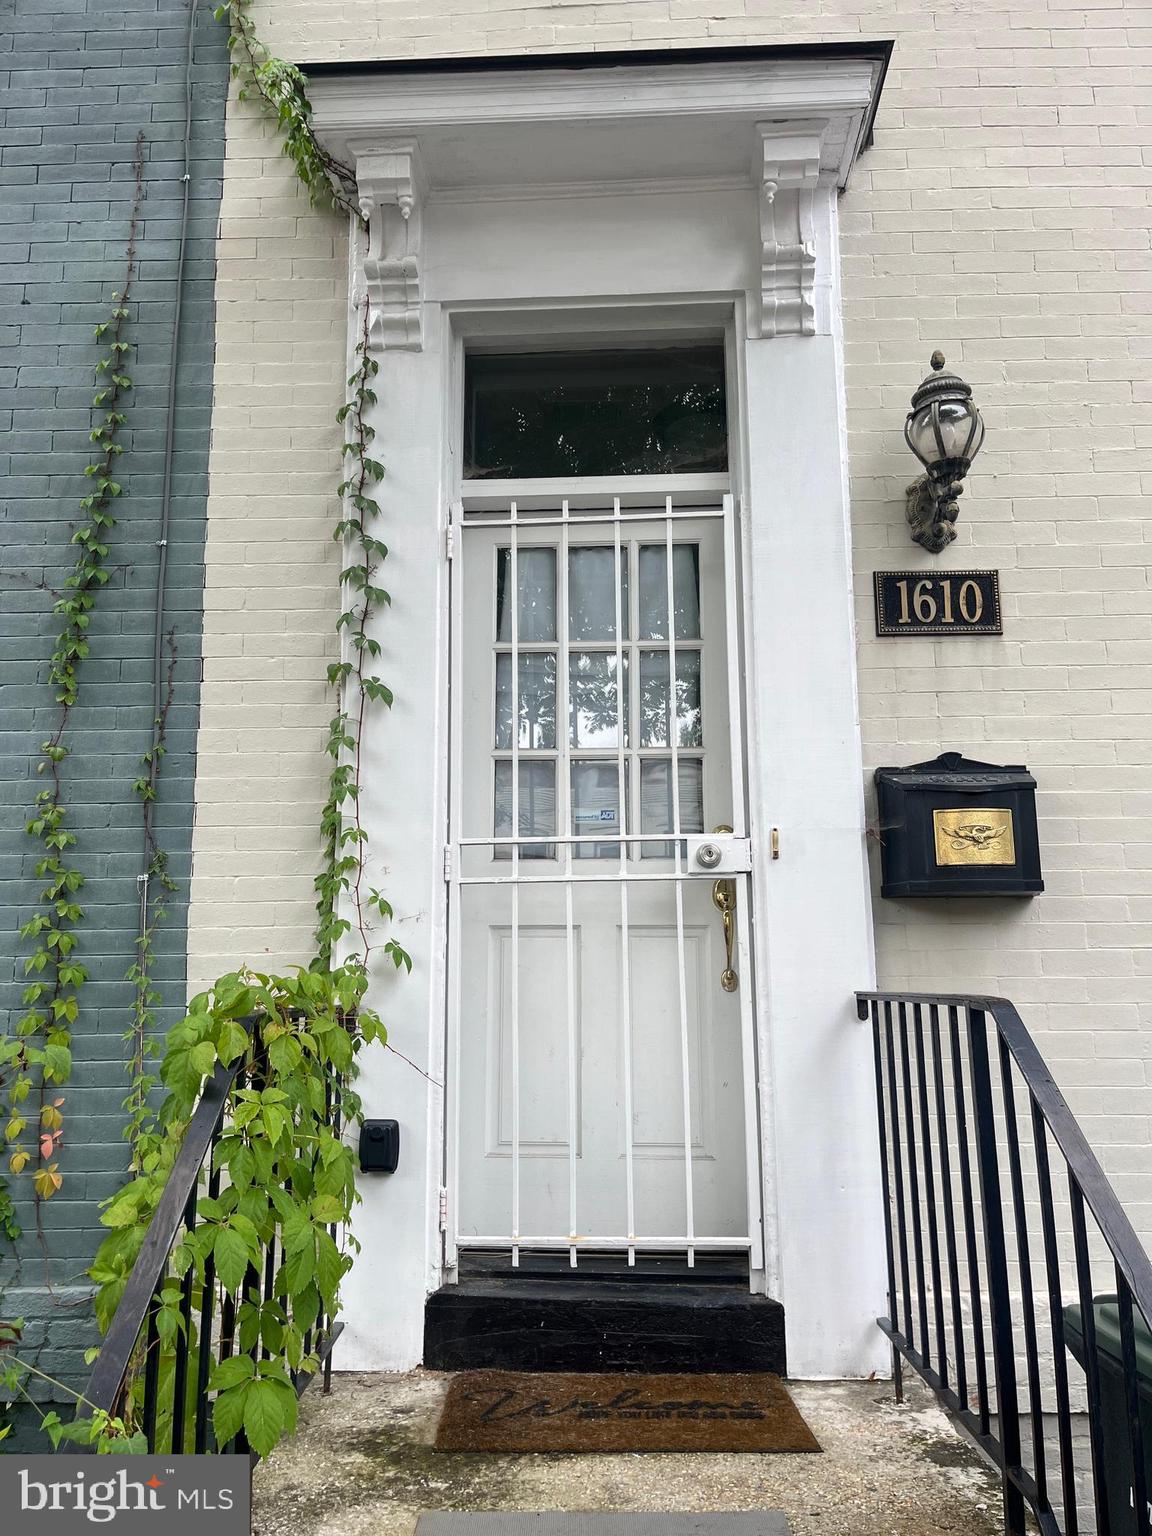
(380, 1146)
(953, 827)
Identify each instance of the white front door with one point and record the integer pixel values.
(603, 1078)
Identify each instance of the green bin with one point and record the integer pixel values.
(1114, 1406)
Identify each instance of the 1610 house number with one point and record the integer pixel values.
(958, 603)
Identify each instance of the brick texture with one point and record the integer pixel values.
(1002, 214)
(78, 80)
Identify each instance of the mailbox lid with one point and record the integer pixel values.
(956, 774)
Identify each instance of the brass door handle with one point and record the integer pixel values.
(724, 900)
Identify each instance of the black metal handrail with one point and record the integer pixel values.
(962, 1305)
(176, 1413)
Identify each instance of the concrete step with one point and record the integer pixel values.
(491, 1323)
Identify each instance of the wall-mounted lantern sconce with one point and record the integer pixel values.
(944, 430)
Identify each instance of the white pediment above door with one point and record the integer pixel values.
(780, 123)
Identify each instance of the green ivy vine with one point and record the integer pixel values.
(286, 1176)
(356, 683)
(156, 885)
(38, 1054)
(280, 89)
(286, 1173)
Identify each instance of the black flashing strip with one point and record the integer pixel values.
(880, 49)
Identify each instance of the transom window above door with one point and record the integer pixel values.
(596, 699)
(639, 411)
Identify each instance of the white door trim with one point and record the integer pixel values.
(468, 265)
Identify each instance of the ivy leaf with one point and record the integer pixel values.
(328, 1209)
(277, 1122)
(231, 1253)
(232, 1372)
(232, 1041)
(203, 1058)
(228, 1409)
(331, 1265)
(269, 1414)
(235, 1001)
(242, 1167)
(305, 1308)
(57, 1063)
(285, 1054)
(298, 1268)
(47, 1181)
(264, 1158)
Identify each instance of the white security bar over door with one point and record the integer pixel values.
(601, 1026)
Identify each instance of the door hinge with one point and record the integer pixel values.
(447, 861)
(450, 541)
(443, 1210)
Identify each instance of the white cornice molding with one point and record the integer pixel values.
(354, 106)
(631, 130)
(786, 168)
(390, 189)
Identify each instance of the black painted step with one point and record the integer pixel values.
(729, 1269)
(491, 1323)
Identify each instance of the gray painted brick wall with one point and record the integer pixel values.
(78, 80)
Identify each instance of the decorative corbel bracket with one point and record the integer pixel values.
(786, 171)
(391, 195)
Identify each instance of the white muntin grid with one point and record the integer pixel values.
(648, 512)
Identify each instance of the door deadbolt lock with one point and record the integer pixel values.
(718, 853)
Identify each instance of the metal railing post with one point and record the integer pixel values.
(996, 1260)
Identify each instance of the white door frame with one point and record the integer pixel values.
(654, 321)
(443, 257)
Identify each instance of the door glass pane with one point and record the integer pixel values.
(592, 694)
(591, 604)
(537, 808)
(654, 591)
(536, 578)
(656, 805)
(644, 411)
(654, 700)
(536, 701)
(596, 803)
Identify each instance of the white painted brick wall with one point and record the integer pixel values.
(1002, 215)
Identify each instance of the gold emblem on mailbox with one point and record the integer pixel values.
(978, 836)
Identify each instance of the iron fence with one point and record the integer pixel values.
(1001, 1230)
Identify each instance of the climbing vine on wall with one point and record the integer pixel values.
(155, 887)
(304, 1035)
(279, 88)
(37, 1056)
(356, 683)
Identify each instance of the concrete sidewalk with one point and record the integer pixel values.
(362, 1464)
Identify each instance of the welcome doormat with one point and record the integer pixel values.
(556, 1411)
(764, 1522)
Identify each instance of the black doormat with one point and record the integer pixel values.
(557, 1411)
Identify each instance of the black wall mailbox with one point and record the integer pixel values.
(953, 827)
(380, 1146)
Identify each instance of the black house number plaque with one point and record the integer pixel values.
(952, 603)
